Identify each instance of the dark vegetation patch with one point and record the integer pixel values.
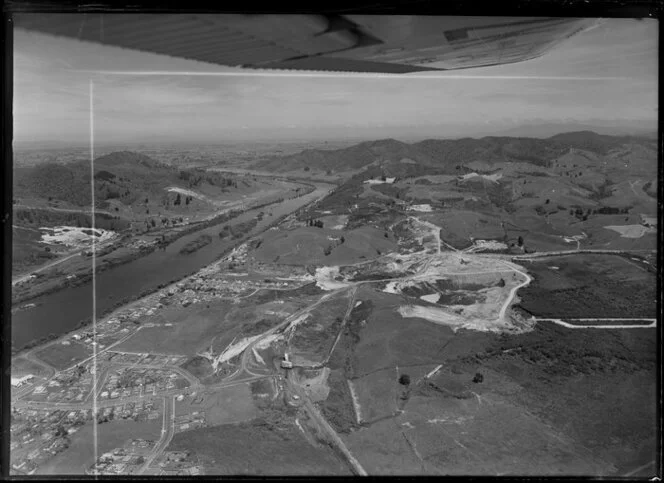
(447, 296)
(196, 244)
(359, 277)
(390, 190)
(198, 366)
(262, 325)
(559, 351)
(369, 215)
(447, 284)
(338, 407)
(456, 298)
(580, 290)
(44, 217)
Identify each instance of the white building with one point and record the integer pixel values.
(19, 381)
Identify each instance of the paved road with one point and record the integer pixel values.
(167, 431)
(503, 309)
(651, 325)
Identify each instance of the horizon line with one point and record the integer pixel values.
(347, 75)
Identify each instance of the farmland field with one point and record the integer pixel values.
(387, 339)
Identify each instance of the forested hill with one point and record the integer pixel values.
(447, 154)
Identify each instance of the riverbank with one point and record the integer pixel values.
(130, 282)
(119, 254)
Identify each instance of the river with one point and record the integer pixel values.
(61, 312)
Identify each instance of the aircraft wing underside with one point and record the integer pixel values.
(351, 43)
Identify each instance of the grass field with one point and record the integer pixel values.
(257, 448)
(458, 226)
(312, 245)
(467, 437)
(27, 252)
(573, 381)
(62, 356)
(388, 340)
(382, 449)
(193, 329)
(377, 394)
(22, 367)
(80, 454)
(229, 405)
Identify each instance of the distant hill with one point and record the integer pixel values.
(547, 130)
(445, 154)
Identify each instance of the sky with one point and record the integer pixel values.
(605, 75)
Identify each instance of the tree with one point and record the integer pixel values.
(547, 201)
(478, 378)
(404, 379)
(153, 223)
(307, 168)
(520, 241)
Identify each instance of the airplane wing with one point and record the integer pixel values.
(394, 44)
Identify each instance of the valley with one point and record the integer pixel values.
(447, 307)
